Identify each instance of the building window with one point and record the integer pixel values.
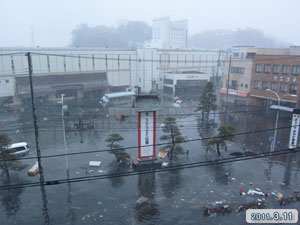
(67, 93)
(168, 81)
(234, 84)
(283, 87)
(287, 79)
(239, 70)
(168, 90)
(265, 85)
(293, 88)
(7, 81)
(246, 85)
(242, 84)
(276, 68)
(250, 55)
(256, 84)
(236, 55)
(294, 79)
(139, 79)
(285, 69)
(267, 68)
(296, 70)
(281, 78)
(274, 86)
(258, 68)
(275, 77)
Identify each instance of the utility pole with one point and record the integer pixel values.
(227, 87)
(217, 67)
(36, 132)
(64, 132)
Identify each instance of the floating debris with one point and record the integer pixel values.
(34, 169)
(217, 210)
(290, 199)
(279, 195)
(94, 163)
(252, 192)
(142, 199)
(164, 164)
(251, 205)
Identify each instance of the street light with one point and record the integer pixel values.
(64, 131)
(277, 115)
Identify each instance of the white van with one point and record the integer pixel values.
(20, 149)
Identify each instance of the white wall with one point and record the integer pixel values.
(7, 86)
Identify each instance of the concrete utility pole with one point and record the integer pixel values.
(228, 78)
(277, 116)
(227, 87)
(217, 74)
(64, 131)
(36, 132)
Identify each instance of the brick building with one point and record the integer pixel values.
(279, 73)
(253, 70)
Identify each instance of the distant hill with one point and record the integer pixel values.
(223, 39)
(130, 34)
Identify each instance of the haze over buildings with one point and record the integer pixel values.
(53, 21)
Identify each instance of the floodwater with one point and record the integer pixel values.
(156, 197)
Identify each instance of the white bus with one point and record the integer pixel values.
(117, 98)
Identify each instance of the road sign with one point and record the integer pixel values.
(294, 129)
(271, 138)
(146, 134)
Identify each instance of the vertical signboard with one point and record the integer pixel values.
(146, 134)
(294, 129)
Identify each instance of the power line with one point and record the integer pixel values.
(93, 57)
(148, 171)
(158, 116)
(134, 147)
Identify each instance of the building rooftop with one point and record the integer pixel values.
(147, 103)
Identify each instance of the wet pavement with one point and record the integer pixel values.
(171, 197)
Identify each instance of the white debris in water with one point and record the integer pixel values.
(252, 192)
(164, 164)
(142, 199)
(94, 163)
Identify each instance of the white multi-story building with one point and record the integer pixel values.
(90, 73)
(168, 34)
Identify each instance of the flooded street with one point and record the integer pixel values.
(114, 193)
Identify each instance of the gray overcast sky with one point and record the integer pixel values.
(53, 20)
